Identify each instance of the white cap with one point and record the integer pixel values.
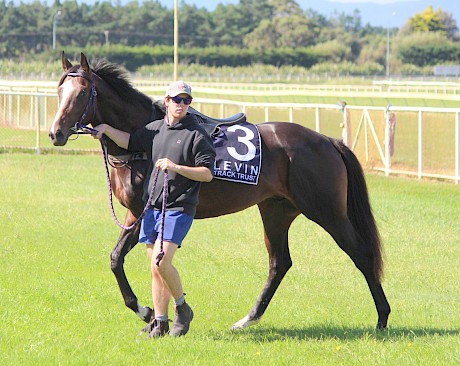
(178, 87)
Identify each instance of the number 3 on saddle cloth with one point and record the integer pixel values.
(238, 153)
(237, 143)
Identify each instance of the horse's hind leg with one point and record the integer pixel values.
(349, 241)
(127, 241)
(277, 216)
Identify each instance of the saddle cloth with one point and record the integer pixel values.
(238, 153)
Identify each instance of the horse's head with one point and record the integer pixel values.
(76, 91)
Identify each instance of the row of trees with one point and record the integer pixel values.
(256, 26)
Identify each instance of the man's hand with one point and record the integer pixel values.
(166, 164)
(121, 138)
(100, 131)
(198, 173)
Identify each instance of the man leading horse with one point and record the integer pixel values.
(178, 145)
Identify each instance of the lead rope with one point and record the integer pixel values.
(80, 128)
(163, 214)
(147, 205)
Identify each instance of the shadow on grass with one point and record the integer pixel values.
(273, 334)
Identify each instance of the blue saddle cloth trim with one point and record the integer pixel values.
(238, 153)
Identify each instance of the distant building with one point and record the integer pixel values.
(450, 70)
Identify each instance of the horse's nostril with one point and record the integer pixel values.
(58, 138)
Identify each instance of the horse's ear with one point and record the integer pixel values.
(84, 63)
(66, 65)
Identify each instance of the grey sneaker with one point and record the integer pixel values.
(159, 329)
(184, 315)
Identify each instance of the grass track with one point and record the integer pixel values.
(59, 302)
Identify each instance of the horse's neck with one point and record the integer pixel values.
(137, 116)
(125, 117)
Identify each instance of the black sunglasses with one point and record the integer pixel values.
(178, 99)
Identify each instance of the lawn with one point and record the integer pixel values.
(59, 302)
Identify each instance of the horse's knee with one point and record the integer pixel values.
(116, 262)
(281, 265)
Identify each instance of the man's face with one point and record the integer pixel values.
(176, 105)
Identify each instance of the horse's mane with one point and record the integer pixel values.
(118, 78)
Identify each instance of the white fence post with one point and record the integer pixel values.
(31, 112)
(346, 126)
(457, 148)
(37, 122)
(387, 141)
(18, 108)
(390, 125)
(10, 107)
(420, 144)
(317, 123)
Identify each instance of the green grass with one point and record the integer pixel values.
(59, 302)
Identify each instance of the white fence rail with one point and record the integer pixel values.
(418, 141)
(393, 88)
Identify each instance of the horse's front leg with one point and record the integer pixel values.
(277, 216)
(127, 241)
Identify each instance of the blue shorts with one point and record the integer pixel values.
(177, 225)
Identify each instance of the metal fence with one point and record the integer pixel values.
(418, 141)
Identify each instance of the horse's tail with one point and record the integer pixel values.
(359, 208)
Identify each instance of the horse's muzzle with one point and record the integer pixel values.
(58, 138)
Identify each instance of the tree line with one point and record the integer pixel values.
(272, 32)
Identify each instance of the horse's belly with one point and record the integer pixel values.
(221, 197)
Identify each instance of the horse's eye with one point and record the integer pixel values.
(82, 93)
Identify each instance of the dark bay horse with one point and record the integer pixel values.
(303, 172)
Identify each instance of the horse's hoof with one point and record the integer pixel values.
(144, 312)
(381, 326)
(244, 323)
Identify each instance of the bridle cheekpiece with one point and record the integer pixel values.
(79, 127)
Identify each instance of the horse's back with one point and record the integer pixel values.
(296, 140)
